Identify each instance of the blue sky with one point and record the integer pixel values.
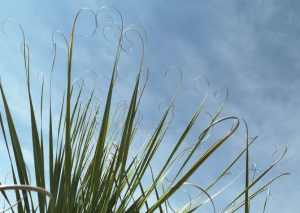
(250, 47)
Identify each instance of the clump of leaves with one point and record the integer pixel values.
(91, 170)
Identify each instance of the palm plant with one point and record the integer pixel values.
(93, 170)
